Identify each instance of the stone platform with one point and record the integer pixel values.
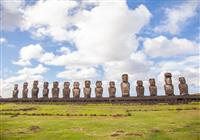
(143, 100)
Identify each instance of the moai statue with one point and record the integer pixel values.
(55, 90)
(25, 90)
(169, 88)
(66, 90)
(112, 89)
(99, 89)
(140, 88)
(15, 91)
(87, 89)
(183, 87)
(125, 86)
(152, 87)
(35, 89)
(45, 90)
(76, 90)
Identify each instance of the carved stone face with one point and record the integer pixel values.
(112, 84)
(76, 84)
(35, 84)
(46, 84)
(125, 77)
(16, 86)
(139, 83)
(182, 80)
(25, 85)
(66, 84)
(168, 80)
(55, 84)
(98, 84)
(87, 84)
(152, 82)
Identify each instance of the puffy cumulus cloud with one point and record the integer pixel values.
(103, 33)
(78, 73)
(164, 47)
(48, 18)
(27, 74)
(29, 52)
(11, 14)
(177, 16)
(135, 66)
(40, 69)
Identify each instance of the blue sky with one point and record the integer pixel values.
(68, 40)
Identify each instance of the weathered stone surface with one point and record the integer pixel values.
(169, 88)
(140, 88)
(125, 86)
(35, 89)
(76, 90)
(152, 87)
(25, 90)
(99, 89)
(55, 90)
(87, 89)
(45, 90)
(15, 91)
(66, 90)
(183, 87)
(112, 89)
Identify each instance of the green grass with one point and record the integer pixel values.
(99, 121)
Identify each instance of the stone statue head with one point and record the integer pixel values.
(55, 84)
(25, 85)
(35, 84)
(168, 79)
(98, 84)
(112, 84)
(87, 84)
(139, 83)
(152, 82)
(167, 74)
(182, 80)
(46, 84)
(16, 87)
(125, 77)
(66, 84)
(76, 85)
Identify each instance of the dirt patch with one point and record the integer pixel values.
(114, 134)
(21, 132)
(12, 116)
(35, 128)
(134, 134)
(156, 130)
(120, 131)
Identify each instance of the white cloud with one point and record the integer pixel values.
(177, 16)
(49, 18)
(40, 69)
(164, 47)
(78, 74)
(29, 52)
(102, 34)
(3, 40)
(106, 31)
(135, 66)
(11, 14)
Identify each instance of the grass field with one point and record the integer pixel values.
(99, 121)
